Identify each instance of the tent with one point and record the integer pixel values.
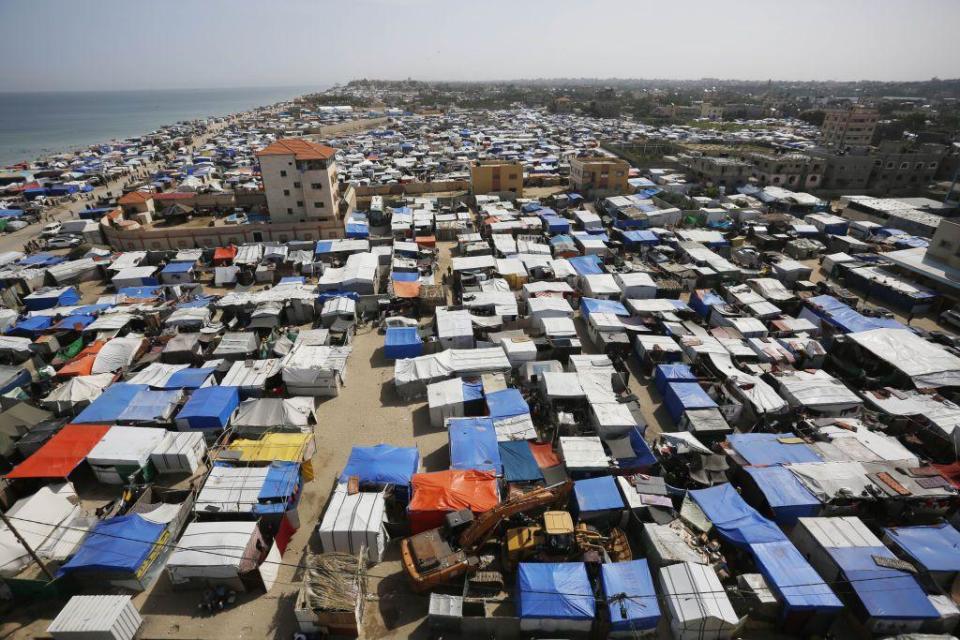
(53, 527)
(935, 549)
(402, 342)
(208, 408)
(111, 403)
(473, 445)
(555, 598)
(519, 463)
(598, 500)
(676, 372)
(382, 464)
(506, 403)
(50, 298)
(353, 521)
(258, 415)
(698, 604)
(216, 552)
(436, 494)
(450, 399)
(61, 454)
(764, 449)
(177, 273)
(76, 393)
(151, 406)
(684, 396)
(117, 552)
(631, 597)
(123, 452)
(179, 452)
(786, 497)
(117, 354)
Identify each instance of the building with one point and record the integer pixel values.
(711, 111)
(562, 104)
(851, 126)
(136, 202)
(599, 176)
(729, 173)
(892, 168)
(300, 182)
(917, 216)
(791, 170)
(494, 176)
(945, 245)
(936, 266)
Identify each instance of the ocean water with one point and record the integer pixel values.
(37, 124)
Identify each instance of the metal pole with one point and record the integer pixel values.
(26, 546)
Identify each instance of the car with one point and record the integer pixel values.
(236, 218)
(64, 242)
(50, 229)
(951, 318)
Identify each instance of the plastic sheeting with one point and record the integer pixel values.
(214, 550)
(681, 396)
(119, 544)
(473, 445)
(151, 406)
(402, 342)
(639, 604)
(555, 590)
(437, 493)
(771, 448)
(111, 403)
(506, 403)
(795, 582)
(734, 519)
(353, 521)
(926, 364)
(519, 463)
(933, 547)
(382, 464)
(597, 494)
(787, 497)
(209, 408)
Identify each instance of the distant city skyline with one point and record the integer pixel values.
(60, 45)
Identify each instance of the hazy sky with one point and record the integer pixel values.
(134, 44)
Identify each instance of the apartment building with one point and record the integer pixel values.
(795, 171)
(300, 183)
(729, 173)
(494, 176)
(599, 176)
(851, 126)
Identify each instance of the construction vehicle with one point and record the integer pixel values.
(558, 540)
(439, 555)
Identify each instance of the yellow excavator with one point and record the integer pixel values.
(558, 540)
(434, 557)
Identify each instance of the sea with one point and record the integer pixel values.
(39, 124)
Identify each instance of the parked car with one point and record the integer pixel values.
(236, 218)
(64, 242)
(951, 318)
(50, 229)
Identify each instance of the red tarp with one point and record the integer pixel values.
(426, 241)
(544, 455)
(62, 453)
(82, 363)
(436, 494)
(951, 472)
(225, 254)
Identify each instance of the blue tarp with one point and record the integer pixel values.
(402, 342)
(787, 497)
(382, 464)
(519, 465)
(506, 403)
(530, 207)
(633, 581)
(30, 327)
(110, 404)
(558, 590)
(324, 246)
(178, 267)
(933, 547)
(702, 301)
(556, 224)
(210, 407)
(674, 372)
(597, 494)
(472, 391)
(40, 260)
(330, 295)
(151, 291)
(202, 301)
(473, 445)
(355, 230)
(292, 280)
(53, 298)
(281, 484)
(735, 520)
(149, 406)
(637, 237)
(597, 305)
(585, 265)
(792, 578)
(681, 396)
(74, 322)
(845, 318)
(404, 276)
(885, 593)
(189, 378)
(764, 449)
(119, 544)
(643, 456)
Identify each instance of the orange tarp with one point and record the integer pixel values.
(544, 455)
(62, 453)
(435, 494)
(406, 289)
(225, 253)
(82, 363)
(427, 241)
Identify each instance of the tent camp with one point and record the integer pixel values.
(216, 553)
(354, 521)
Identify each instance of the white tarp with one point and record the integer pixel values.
(612, 418)
(699, 606)
(829, 480)
(225, 275)
(231, 490)
(248, 254)
(637, 285)
(307, 365)
(251, 374)
(72, 271)
(47, 520)
(750, 387)
(15, 346)
(927, 364)
(353, 521)
(109, 322)
(282, 414)
(771, 289)
(77, 392)
(116, 354)
(189, 317)
(156, 374)
(562, 385)
(817, 391)
(858, 443)
(214, 550)
(445, 400)
(584, 453)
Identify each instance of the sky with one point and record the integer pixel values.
(54, 45)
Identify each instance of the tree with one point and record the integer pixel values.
(813, 116)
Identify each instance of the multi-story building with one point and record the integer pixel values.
(300, 183)
(795, 171)
(900, 167)
(851, 126)
(494, 176)
(599, 176)
(729, 173)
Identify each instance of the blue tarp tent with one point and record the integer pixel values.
(597, 494)
(556, 224)
(31, 327)
(795, 582)
(357, 230)
(110, 404)
(51, 298)
(735, 520)
(116, 545)
(630, 595)
(281, 488)
(323, 246)
(292, 280)
(189, 378)
(473, 445)
(530, 207)
(638, 238)
(557, 590)
(674, 372)
(404, 276)
(642, 457)
(402, 342)
(681, 396)
(844, 318)
(141, 293)
(178, 267)
(787, 497)
(209, 408)
(74, 322)
(886, 594)
(703, 300)
(506, 403)
(519, 465)
(934, 548)
(585, 265)
(597, 305)
(382, 464)
(764, 449)
(40, 260)
(150, 406)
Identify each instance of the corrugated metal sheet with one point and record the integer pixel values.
(96, 618)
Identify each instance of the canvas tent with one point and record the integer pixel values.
(215, 553)
(353, 521)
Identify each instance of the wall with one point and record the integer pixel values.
(191, 237)
(346, 127)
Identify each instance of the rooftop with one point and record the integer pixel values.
(299, 148)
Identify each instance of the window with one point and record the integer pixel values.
(890, 165)
(932, 165)
(286, 192)
(283, 173)
(904, 165)
(289, 210)
(513, 176)
(318, 205)
(316, 185)
(919, 165)
(296, 185)
(299, 203)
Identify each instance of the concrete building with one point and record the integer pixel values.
(795, 171)
(599, 176)
(136, 202)
(851, 126)
(900, 167)
(494, 176)
(300, 182)
(729, 173)
(945, 245)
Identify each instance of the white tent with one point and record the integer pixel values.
(251, 375)
(636, 285)
(117, 354)
(274, 414)
(818, 392)
(215, 551)
(698, 605)
(122, 449)
(56, 527)
(445, 400)
(231, 490)
(77, 392)
(134, 277)
(314, 370)
(179, 452)
(352, 521)
(926, 364)
(454, 329)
